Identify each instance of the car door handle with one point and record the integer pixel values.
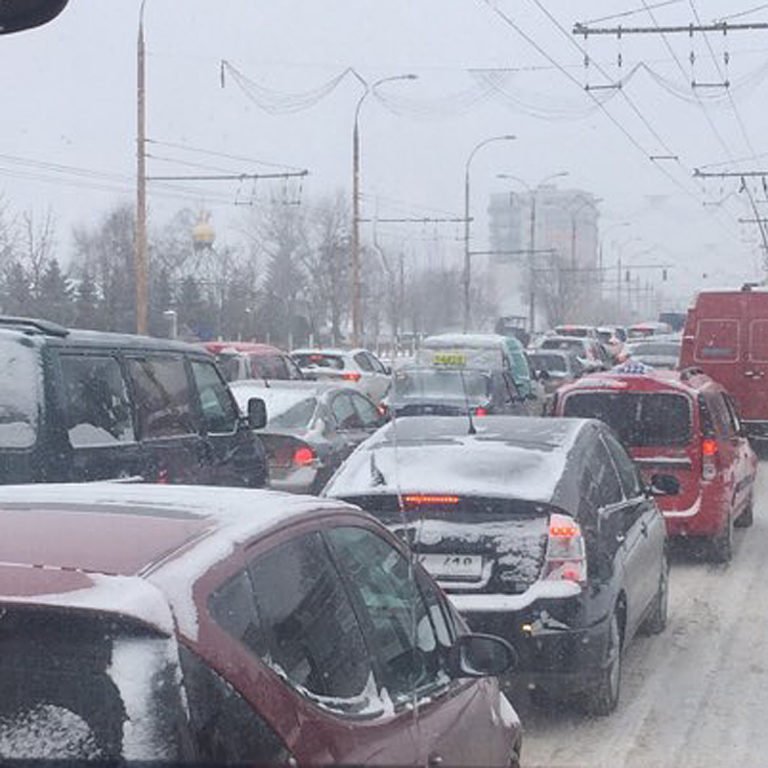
(435, 760)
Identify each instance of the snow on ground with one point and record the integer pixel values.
(695, 695)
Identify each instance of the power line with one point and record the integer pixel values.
(624, 14)
(225, 155)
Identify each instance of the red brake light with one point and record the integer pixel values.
(566, 558)
(303, 456)
(481, 411)
(419, 499)
(351, 376)
(709, 447)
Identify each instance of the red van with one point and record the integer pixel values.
(682, 423)
(726, 335)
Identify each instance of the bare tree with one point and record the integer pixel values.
(36, 246)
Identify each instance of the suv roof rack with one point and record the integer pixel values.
(31, 324)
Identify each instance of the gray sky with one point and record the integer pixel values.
(69, 98)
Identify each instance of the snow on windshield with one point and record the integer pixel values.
(20, 387)
(289, 408)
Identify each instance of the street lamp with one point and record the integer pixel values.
(356, 288)
(140, 247)
(532, 238)
(467, 255)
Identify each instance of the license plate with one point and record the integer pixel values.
(450, 359)
(456, 567)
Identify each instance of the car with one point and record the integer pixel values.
(660, 352)
(450, 391)
(312, 426)
(486, 351)
(246, 360)
(686, 424)
(675, 320)
(86, 405)
(726, 336)
(578, 331)
(357, 367)
(540, 531)
(554, 368)
(647, 329)
(182, 625)
(590, 352)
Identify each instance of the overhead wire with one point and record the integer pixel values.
(223, 155)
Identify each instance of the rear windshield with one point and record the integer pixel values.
(317, 360)
(82, 689)
(20, 388)
(605, 336)
(438, 383)
(549, 363)
(577, 332)
(570, 344)
(296, 416)
(639, 419)
(655, 348)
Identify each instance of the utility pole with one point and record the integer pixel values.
(531, 273)
(140, 246)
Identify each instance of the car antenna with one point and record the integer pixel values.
(472, 430)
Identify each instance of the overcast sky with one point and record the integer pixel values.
(68, 98)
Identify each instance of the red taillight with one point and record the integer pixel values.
(163, 477)
(351, 376)
(709, 452)
(303, 456)
(566, 558)
(420, 499)
(481, 411)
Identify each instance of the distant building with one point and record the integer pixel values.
(565, 252)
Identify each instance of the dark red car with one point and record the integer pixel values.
(248, 360)
(192, 625)
(686, 424)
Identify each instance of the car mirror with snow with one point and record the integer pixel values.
(664, 485)
(477, 655)
(257, 413)
(18, 15)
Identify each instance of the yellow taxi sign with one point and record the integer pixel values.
(451, 359)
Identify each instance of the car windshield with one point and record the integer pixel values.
(20, 401)
(639, 419)
(549, 363)
(430, 383)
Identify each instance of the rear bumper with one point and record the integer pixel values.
(558, 658)
(705, 517)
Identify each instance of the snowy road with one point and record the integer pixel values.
(696, 695)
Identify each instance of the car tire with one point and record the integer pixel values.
(604, 698)
(722, 543)
(747, 517)
(656, 622)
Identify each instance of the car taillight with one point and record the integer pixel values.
(481, 411)
(709, 451)
(351, 376)
(303, 456)
(566, 557)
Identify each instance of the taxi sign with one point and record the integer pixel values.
(450, 359)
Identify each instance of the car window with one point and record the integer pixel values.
(294, 372)
(97, 408)
(269, 367)
(308, 631)
(407, 648)
(366, 411)
(628, 474)
(218, 407)
(733, 414)
(226, 729)
(364, 362)
(162, 396)
(345, 413)
(718, 411)
(378, 366)
(716, 341)
(21, 394)
(608, 489)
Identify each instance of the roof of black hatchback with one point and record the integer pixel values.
(507, 457)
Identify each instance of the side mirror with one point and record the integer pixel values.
(257, 413)
(388, 370)
(664, 485)
(544, 376)
(18, 15)
(477, 655)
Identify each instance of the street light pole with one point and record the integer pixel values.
(467, 254)
(140, 246)
(357, 310)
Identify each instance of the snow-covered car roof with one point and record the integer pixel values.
(130, 548)
(507, 457)
(481, 340)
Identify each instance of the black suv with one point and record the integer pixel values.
(85, 405)
(540, 531)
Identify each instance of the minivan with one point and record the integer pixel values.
(726, 335)
(686, 424)
(86, 405)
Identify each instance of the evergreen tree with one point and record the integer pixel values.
(18, 294)
(86, 308)
(55, 295)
